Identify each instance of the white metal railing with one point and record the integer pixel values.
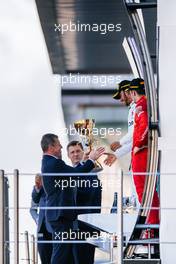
(16, 216)
(120, 221)
(16, 208)
(26, 239)
(16, 242)
(2, 216)
(34, 255)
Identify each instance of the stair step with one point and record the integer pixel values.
(134, 6)
(144, 241)
(145, 226)
(141, 261)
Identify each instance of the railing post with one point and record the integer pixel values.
(2, 216)
(111, 247)
(16, 217)
(33, 257)
(120, 220)
(36, 251)
(26, 236)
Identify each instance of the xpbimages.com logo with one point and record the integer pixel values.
(102, 132)
(102, 28)
(79, 183)
(88, 80)
(82, 182)
(80, 235)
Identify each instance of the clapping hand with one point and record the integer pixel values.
(111, 158)
(86, 155)
(38, 182)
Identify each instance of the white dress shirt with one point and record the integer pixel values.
(127, 140)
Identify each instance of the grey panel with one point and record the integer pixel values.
(89, 52)
(47, 15)
(142, 261)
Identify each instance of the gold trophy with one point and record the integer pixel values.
(84, 127)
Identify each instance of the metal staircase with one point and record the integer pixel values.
(148, 75)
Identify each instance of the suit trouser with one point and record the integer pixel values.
(45, 249)
(86, 249)
(63, 251)
(139, 165)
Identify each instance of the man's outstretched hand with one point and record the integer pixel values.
(95, 154)
(115, 145)
(136, 149)
(111, 158)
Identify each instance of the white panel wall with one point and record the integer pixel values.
(30, 103)
(167, 144)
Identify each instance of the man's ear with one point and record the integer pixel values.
(50, 147)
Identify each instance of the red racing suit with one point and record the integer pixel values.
(139, 160)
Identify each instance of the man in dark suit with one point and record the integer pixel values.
(44, 231)
(88, 194)
(59, 193)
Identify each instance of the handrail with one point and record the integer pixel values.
(26, 238)
(133, 56)
(16, 217)
(4, 219)
(152, 111)
(134, 5)
(34, 255)
(120, 221)
(2, 238)
(16, 241)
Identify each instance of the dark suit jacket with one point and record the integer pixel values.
(57, 196)
(89, 193)
(39, 197)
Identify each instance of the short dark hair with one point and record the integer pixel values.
(140, 92)
(74, 143)
(48, 140)
(137, 85)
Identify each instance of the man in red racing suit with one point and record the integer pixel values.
(140, 146)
